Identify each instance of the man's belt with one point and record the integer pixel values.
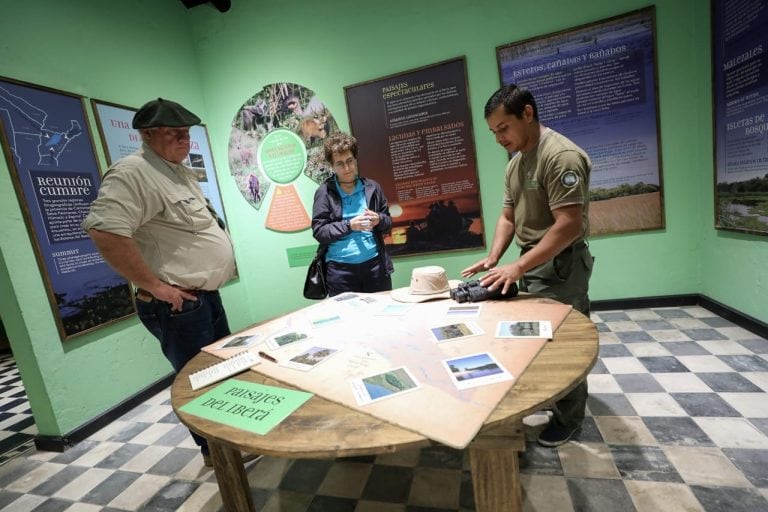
(575, 247)
(578, 245)
(144, 296)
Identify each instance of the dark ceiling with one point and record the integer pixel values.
(220, 5)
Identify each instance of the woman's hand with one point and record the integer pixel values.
(373, 217)
(360, 223)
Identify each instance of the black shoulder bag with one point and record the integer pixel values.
(314, 284)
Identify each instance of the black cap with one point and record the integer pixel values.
(162, 112)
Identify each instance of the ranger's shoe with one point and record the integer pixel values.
(555, 435)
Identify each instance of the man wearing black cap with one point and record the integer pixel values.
(153, 225)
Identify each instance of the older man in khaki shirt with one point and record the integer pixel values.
(153, 225)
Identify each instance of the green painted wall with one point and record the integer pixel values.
(213, 62)
(325, 46)
(113, 51)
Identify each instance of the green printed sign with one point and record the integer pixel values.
(245, 405)
(282, 155)
(301, 256)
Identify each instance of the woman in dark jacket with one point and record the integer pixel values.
(349, 217)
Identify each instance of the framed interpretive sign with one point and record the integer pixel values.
(596, 84)
(414, 132)
(119, 139)
(50, 154)
(740, 108)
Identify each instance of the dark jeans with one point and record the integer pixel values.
(565, 278)
(183, 333)
(366, 277)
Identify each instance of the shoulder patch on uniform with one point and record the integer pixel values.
(569, 179)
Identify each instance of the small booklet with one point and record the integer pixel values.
(223, 369)
(524, 329)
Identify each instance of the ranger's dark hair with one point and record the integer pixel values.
(514, 99)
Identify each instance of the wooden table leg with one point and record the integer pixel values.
(495, 469)
(230, 474)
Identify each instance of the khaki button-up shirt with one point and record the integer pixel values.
(552, 175)
(161, 206)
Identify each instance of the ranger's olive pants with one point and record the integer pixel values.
(565, 278)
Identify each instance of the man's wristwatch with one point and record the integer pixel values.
(347, 225)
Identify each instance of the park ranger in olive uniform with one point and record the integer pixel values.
(546, 206)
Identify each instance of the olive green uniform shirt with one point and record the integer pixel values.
(161, 206)
(553, 174)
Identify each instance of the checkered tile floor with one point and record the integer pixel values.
(17, 427)
(677, 420)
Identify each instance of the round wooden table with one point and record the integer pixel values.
(324, 429)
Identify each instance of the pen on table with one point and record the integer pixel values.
(267, 356)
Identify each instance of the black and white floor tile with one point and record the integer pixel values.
(17, 427)
(677, 421)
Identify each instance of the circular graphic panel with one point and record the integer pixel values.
(282, 155)
(276, 136)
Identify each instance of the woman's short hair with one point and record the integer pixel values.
(338, 143)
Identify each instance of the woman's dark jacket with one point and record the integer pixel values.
(327, 220)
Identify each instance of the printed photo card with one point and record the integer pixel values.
(383, 385)
(393, 310)
(324, 320)
(524, 329)
(285, 338)
(240, 342)
(454, 331)
(310, 358)
(475, 370)
(464, 311)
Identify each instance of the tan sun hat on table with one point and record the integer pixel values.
(427, 283)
